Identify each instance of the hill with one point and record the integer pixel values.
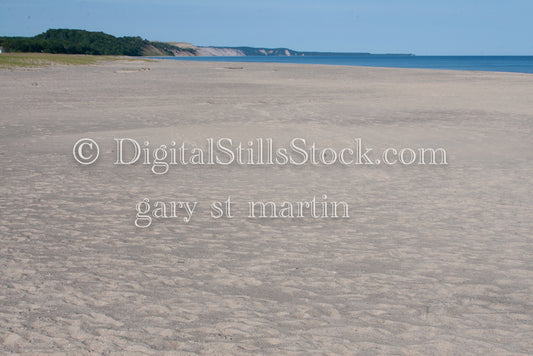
(66, 41)
(86, 42)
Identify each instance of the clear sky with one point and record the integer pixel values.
(431, 27)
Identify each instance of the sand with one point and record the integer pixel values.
(433, 259)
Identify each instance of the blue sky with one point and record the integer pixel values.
(381, 26)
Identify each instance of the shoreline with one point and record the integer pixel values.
(37, 60)
(384, 61)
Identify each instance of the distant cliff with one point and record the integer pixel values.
(253, 51)
(246, 51)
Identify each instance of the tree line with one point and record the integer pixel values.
(69, 41)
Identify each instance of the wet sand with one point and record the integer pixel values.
(433, 259)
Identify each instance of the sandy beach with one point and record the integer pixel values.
(433, 260)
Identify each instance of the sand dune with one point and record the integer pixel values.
(433, 259)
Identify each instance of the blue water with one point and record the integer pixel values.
(517, 64)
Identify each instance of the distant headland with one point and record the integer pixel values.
(69, 41)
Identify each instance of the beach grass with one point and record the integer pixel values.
(35, 60)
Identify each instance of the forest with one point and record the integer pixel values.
(69, 41)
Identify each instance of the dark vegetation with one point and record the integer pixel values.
(67, 41)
